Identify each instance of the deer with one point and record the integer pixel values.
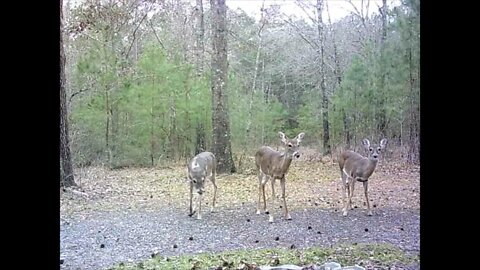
(355, 167)
(200, 167)
(272, 165)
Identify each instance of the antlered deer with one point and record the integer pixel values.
(355, 167)
(274, 165)
(199, 168)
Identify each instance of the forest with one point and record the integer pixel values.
(150, 83)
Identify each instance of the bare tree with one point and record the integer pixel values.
(200, 55)
(199, 33)
(220, 118)
(382, 114)
(66, 168)
(321, 41)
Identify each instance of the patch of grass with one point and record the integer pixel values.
(378, 256)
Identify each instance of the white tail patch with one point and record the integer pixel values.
(195, 163)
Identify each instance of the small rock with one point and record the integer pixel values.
(256, 241)
(61, 261)
(401, 228)
(190, 238)
(175, 246)
(331, 266)
(248, 220)
(102, 245)
(151, 196)
(277, 238)
(292, 246)
(366, 229)
(319, 232)
(309, 228)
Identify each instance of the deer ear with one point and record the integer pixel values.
(366, 142)
(300, 137)
(282, 137)
(383, 143)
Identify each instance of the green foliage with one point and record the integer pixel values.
(381, 255)
(151, 118)
(252, 120)
(141, 102)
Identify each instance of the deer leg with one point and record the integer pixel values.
(365, 188)
(282, 183)
(191, 195)
(263, 192)
(273, 192)
(259, 192)
(214, 191)
(345, 193)
(352, 188)
(199, 213)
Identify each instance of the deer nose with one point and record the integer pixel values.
(200, 191)
(296, 155)
(375, 156)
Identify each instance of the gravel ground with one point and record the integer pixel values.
(126, 215)
(108, 238)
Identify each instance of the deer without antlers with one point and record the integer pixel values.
(355, 167)
(274, 165)
(199, 168)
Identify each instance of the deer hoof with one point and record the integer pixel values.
(199, 217)
(258, 212)
(270, 219)
(289, 217)
(344, 213)
(370, 213)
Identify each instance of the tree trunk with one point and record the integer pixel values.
(247, 139)
(338, 75)
(413, 148)
(199, 33)
(321, 37)
(66, 168)
(220, 118)
(381, 113)
(200, 56)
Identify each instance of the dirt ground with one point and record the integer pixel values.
(126, 215)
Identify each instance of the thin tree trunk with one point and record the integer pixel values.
(321, 37)
(412, 145)
(200, 33)
(338, 75)
(66, 168)
(220, 118)
(381, 113)
(254, 81)
(200, 56)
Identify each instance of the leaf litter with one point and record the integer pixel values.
(146, 209)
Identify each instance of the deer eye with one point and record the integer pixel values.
(194, 181)
(379, 149)
(371, 149)
(290, 145)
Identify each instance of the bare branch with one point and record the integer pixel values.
(134, 34)
(358, 13)
(368, 7)
(156, 36)
(76, 93)
(313, 44)
(301, 4)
